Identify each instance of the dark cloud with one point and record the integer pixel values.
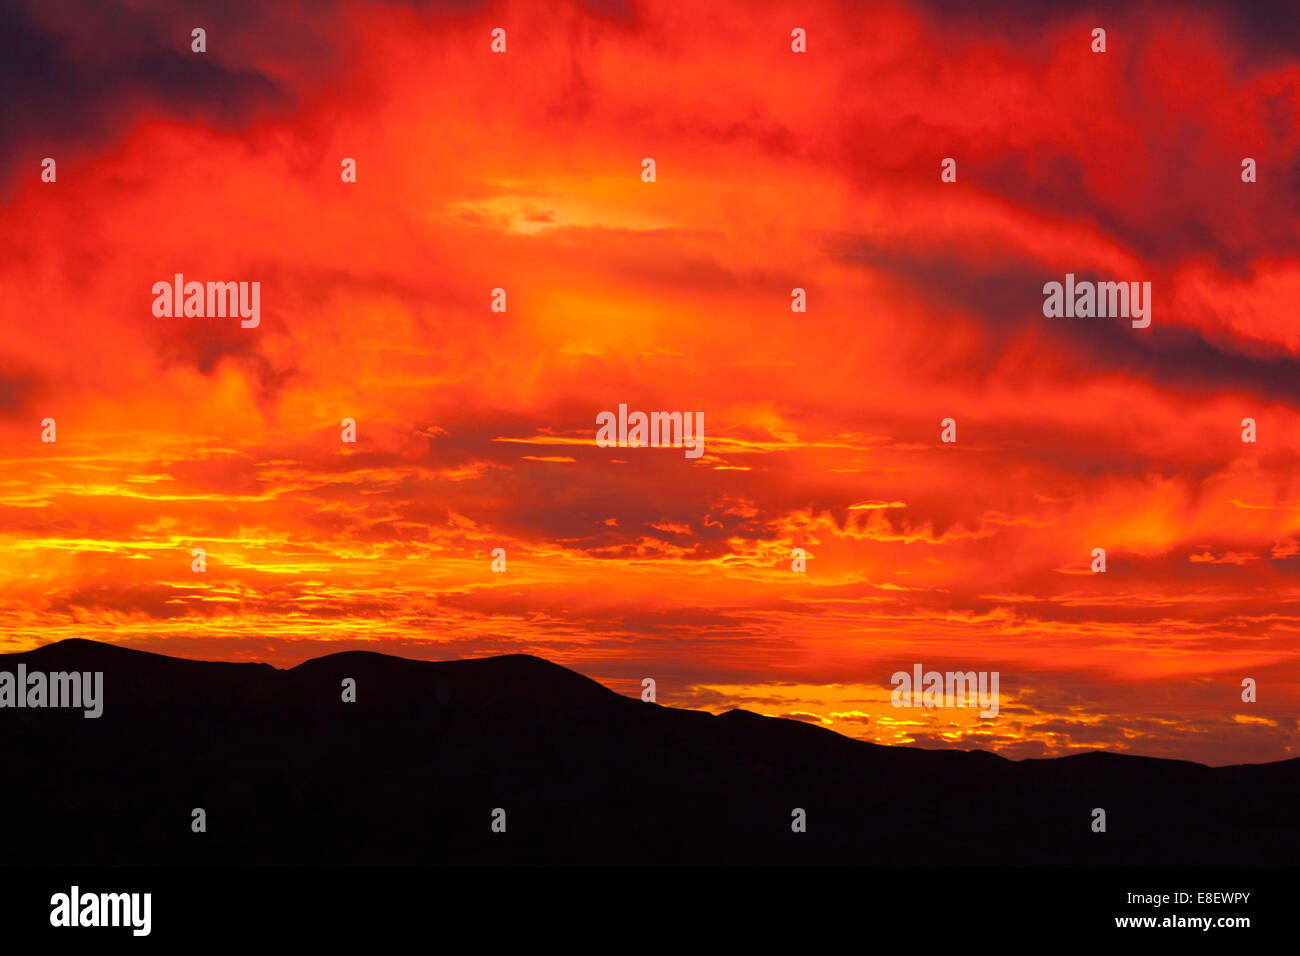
(1183, 219)
(1269, 28)
(1008, 298)
(19, 389)
(73, 75)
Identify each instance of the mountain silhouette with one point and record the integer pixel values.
(288, 773)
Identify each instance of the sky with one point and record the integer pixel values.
(774, 170)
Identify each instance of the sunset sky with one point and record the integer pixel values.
(775, 170)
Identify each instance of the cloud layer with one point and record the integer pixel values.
(775, 170)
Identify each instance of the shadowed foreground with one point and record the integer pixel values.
(412, 771)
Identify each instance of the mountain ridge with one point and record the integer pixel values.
(287, 772)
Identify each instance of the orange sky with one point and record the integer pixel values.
(476, 428)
